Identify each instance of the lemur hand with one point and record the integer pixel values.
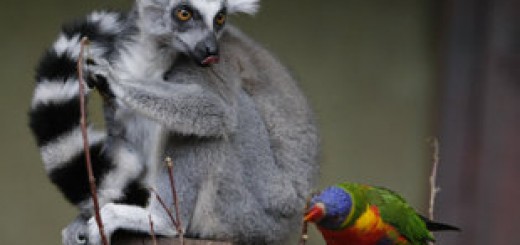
(98, 76)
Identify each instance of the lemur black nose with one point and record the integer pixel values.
(206, 51)
(212, 49)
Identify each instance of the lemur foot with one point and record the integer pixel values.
(129, 218)
(282, 203)
(108, 216)
(76, 233)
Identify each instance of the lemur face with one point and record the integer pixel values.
(191, 26)
(197, 24)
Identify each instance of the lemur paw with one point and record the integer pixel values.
(283, 202)
(109, 219)
(76, 233)
(285, 207)
(99, 74)
(98, 67)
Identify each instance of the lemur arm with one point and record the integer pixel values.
(184, 104)
(184, 108)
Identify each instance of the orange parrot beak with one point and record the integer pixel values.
(315, 213)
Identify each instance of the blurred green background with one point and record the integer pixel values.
(368, 68)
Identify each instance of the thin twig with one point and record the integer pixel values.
(83, 122)
(165, 207)
(305, 225)
(305, 236)
(152, 232)
(434, 189)
(169, 164)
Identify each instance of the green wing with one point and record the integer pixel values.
(396, 212)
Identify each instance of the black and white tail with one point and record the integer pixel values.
(55, 111)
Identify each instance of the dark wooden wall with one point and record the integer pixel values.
(480, 121)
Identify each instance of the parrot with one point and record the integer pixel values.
(359, 214)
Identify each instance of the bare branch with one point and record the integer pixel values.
(305, 225)
(165, 207)
(152, 231)
(83, 122)
(305, 236)
(169, 164)
(434, 189)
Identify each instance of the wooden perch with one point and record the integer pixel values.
(147, 240)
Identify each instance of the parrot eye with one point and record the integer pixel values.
(337, 219)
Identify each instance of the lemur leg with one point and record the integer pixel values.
(131, 218)
(291, 127)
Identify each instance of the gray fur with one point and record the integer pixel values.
(241, 134)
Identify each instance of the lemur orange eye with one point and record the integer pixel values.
(184, 14)
(220, 19)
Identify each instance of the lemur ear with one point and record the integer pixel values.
(153, 16)
(243, 6)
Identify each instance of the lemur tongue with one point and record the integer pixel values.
(210, 60)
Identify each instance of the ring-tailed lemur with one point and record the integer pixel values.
(240, 132)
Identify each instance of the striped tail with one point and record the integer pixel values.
(55, 109)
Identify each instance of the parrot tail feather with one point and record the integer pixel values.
(436, 226)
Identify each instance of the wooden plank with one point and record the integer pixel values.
(146, 240)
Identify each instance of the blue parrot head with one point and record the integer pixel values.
(330, 208)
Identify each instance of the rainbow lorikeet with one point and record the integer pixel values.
(350, 213)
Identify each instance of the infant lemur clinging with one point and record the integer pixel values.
(177, 81)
